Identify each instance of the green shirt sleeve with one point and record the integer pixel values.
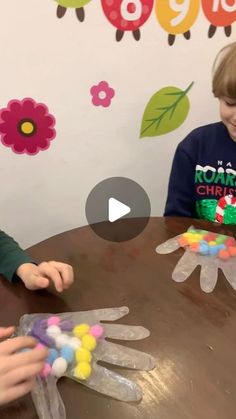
(11, 256)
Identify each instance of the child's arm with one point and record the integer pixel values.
(18, 369)
(11, 256)
(180, 199)
(14, 261)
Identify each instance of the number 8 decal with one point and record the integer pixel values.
(129, 14)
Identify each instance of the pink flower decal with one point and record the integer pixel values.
(102, 94)
(26, 126)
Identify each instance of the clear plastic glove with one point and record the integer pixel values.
(209, 260)
(45, 395)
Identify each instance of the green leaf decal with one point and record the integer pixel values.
(166, 110)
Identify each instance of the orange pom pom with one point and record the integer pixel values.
(223, 254)
(232, 250)
(182, 241)
(194, 247)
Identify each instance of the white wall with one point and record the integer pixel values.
(56, 62)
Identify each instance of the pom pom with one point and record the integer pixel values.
(53, 354)
(81, 329)
(223, 254)
(53, 331)
(53, 321)
(204, 248)
(232, 250)
(67, 353)
(45, 372)
(61, 340)
(89, 342)
(83, 355)
(74, 343)
(39, 346)
(59, 367)
(82, 371)
(46, 340)
(194, 247)
(67, 325)
(96, 330)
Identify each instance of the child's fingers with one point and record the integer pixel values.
(37, 282)
(24, 359)
(66, 272)
(51, 273)
(22, 373)
(6, 332)
(15, 392)
(16, 344)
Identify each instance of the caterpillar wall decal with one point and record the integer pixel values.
(174, 16)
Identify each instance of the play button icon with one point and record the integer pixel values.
(118, 209)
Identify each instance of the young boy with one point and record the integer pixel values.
(202, 182)
(18, 369)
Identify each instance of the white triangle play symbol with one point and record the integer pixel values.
(117, 209)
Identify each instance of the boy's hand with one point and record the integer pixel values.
(36, 277)
(18, 369)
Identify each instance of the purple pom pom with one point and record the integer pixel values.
(46, 340)
(67, 325)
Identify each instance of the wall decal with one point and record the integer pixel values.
(102, 94)
(220, 13)
(177, 17)
(78, 5)
(166, 110)
(26, 126)
(127, 15)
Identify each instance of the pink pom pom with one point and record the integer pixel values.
(45, 372)
(54, 321)
(96, 331)
(39, 346)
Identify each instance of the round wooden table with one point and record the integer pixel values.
(193, 334)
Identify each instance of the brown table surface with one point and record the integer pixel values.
(193, 334)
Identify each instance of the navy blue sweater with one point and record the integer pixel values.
(203, 171)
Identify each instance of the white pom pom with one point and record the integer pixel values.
(53, 331)
(59, 367)
(74, 343)
(61, 340)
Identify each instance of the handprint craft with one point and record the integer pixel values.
(76, 342)
(209, 250)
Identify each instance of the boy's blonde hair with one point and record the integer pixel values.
(224, 72)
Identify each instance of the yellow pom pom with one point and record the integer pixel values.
(81, 330)
(83, 355)
(89, 342)
(187, 235)
(212, 243)
(82, 371)
(198, 237)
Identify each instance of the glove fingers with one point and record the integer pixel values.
(124, 332)
(229, 272)
(112, 384)
(47, 399)
(169, 246)
(111, 314)
(185, 266)
(94, 316)
(124, 357)
(209, 274)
